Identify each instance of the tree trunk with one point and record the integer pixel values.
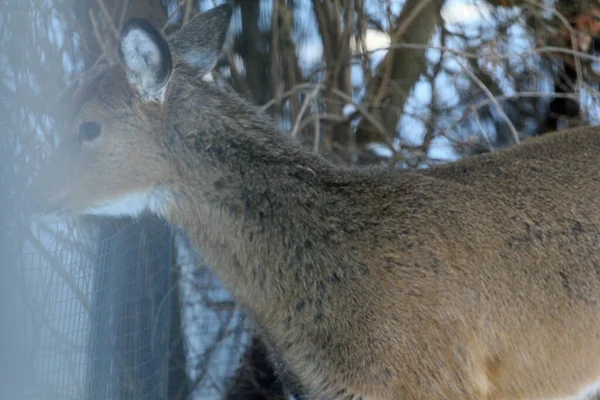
(398, 72)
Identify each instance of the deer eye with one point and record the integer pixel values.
(89, 130)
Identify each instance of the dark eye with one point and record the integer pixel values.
(89, 130)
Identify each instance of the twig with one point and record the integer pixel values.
(464, 54)
(109, 19)
(345, 97)
(574, 42)
(187, 12)
(404, 25)
(123, 15)
(317, 132)
(303, 108)
(484, 131)
(295, 89)
(367, 115)
(99, 38)
(174, 14)
(488, 101)
(492, 99)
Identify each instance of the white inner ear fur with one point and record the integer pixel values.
(139, 51)
(144, 59)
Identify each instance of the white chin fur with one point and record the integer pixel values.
(133, 204)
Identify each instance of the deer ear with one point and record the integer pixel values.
(147, 57)
(200, 42)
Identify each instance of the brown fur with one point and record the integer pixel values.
(473, 280)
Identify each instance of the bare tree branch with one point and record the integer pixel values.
(386, 93)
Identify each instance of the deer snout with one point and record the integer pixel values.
(41, 207)
(44, 200)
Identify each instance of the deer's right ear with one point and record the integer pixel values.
(147, 57)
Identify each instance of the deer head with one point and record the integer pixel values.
(113, 160)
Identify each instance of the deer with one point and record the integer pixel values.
(475, 279)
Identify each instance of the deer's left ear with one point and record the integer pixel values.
(200, 42)
(147, 57)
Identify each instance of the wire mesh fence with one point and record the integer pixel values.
(57, 321)
(217, 330)
(133, 315)
(128, 344)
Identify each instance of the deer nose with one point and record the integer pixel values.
(39, 202)
(32, 204)
(39, 210)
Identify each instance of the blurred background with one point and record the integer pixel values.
(109, 308)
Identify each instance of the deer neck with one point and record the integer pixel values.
(254, 204)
